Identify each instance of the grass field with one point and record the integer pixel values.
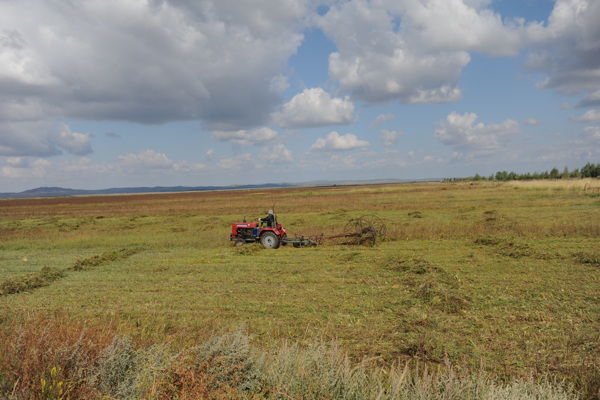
(484, 277)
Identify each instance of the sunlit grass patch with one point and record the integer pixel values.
(557, 184)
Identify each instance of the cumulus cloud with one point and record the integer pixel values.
(141, 167)
(27, 138)
(242, 162)
(462, 133)
(209, 155)
(223, 63)
(389, 138)
(592, 134)
(336, 142)
(73, 142)
(187, 167)
(592, 99)
(41, 139)
(590, 116)
(382, 119)
(143, 61)
(363, 160)
(17, 162)
(24, 170)
(412, 51)
(147, 159)
(277, 154)
(315, 107)
(567, 49)
(246, 138)
(530, 121)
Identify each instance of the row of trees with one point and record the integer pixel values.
(589, 170)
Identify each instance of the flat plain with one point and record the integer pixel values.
(503, 277)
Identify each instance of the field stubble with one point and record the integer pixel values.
(500, 275)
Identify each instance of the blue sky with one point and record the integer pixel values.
(105, 93)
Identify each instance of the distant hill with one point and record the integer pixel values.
(64, 192)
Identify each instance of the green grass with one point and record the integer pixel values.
(469, 273)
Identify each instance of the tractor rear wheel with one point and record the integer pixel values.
(269, 240)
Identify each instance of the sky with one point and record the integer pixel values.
(100, 94)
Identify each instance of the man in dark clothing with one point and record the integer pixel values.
(269, 220)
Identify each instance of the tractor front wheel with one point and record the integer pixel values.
(269, 240)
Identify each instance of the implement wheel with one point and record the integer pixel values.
(269, 240)
(365, 230)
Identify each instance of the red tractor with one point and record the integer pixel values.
(365, 230)
(269, 234)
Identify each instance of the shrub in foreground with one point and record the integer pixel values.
(57, 361)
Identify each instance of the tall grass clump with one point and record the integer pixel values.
(221, 368)
(116, 368)
(323, 371)
(49, 360)
(67, 361)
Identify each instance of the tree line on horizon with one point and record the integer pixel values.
(589, 170)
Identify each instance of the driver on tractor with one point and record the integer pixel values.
(269, 220)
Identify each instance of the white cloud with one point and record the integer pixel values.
(73, 142)
(315, 107)
(389, 138)
(243, 162)
(17, 162)
(413, 51)
(147, 159)
(459, 25)
(592, 135)
(567, 49)
(399, 75)
(382, 119)
(432, 159)
(188, 167)
(140, 169)
(27, 138)
(590, 116)
(277, 154)
(246, 138)
(461, 132)
(142, 61)
(279, 83)
(209, 155)
(336, 142)
(364, 160)
(345, 162)
(41, 139)
(531, 121)
(23, 170)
